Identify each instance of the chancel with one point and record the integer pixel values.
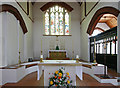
(59, 44)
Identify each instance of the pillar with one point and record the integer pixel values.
(118, 34)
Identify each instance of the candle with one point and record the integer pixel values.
(41, 44)
(77, 56)
(41, 56)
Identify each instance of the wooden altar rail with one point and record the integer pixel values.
(30, 65)
(60, 64)
(88, 66)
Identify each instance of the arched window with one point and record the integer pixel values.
(57, 21)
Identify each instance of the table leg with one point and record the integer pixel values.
(79, 72)
(39, 72)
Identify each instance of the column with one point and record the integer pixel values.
(1, 45)
(118, 34)
(18, 26)
(4, 31)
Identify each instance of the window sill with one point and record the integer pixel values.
(57, 35)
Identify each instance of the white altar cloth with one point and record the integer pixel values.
(50, 66)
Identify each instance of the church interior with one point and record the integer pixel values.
(47, 43)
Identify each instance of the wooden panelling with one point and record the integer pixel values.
(30, 65)
(112, 22)
(16, 13)
(111, 60)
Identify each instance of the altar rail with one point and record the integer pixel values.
(14, 73)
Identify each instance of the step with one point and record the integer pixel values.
(99, 78)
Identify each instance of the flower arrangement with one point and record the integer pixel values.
(60, 78)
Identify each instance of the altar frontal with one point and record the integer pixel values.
(51, 66)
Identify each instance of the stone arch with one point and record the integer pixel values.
(98, 14)
(51, 4)
(15, 12)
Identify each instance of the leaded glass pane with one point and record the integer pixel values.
(66, 24)
(61, 23)
(56, 24)
(53, 9)
(52, 24)
(60, 9)
(46, 23)
(56, 8)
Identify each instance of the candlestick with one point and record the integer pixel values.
(41, 58)
(72, 50)
(77, 58)
(19, 62)
(41, 44)
(73, 55)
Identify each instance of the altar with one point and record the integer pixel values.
(57, 54)
(50, 66)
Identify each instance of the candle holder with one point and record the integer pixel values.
(94, 58)
(77, 58)
(19, 61)
(41, 58)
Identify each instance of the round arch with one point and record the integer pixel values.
(15, 12)
(62, 4)
(99, 13)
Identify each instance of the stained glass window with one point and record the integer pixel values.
(57, 21)
(46, 23)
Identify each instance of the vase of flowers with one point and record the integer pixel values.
(59, 78)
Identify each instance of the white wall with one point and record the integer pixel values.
(84, 27)
(71, 42)
(10, 38)
(13, 40)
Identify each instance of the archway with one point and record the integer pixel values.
(104, 43)
(99, 13)
(15, 12)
